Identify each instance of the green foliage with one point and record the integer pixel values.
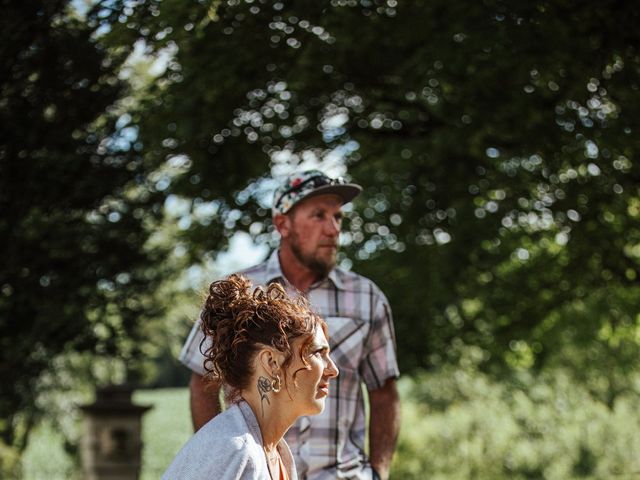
(9, 461)
(458, 422)
(75, 209)
(495, 141)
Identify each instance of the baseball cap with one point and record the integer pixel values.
(301, 185)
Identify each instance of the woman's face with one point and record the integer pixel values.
(308, 386)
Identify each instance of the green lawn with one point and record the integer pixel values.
(166, 427)
(45, 458)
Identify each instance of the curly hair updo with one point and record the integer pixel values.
(239, 322)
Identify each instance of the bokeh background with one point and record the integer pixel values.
(497, 142)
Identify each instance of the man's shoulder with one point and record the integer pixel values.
(351, 281)
(257, 273)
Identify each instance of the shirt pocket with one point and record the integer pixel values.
(346, 338)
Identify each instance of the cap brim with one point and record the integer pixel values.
(346, 191)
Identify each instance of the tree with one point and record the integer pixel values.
(495, 140)
(76, 207)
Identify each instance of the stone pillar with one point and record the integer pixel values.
(111, 445)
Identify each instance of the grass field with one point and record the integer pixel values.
(166, 427)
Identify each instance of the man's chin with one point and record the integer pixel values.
(321, 263)
(323, 267)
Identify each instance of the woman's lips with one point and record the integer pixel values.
(324, 389)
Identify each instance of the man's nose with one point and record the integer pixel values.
(333, 227)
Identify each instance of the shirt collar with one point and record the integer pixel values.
(335, 278)
(251, 420)
(274, 272)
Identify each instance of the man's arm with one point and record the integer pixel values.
(384, 426)
(205, 400)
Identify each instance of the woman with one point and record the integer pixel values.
(273, 353)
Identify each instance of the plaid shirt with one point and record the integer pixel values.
(361, 334)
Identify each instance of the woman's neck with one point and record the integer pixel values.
(273, 419)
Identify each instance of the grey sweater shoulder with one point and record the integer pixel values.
(229, 447)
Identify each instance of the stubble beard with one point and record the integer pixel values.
(316, 264)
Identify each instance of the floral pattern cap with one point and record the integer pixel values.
(301, 185)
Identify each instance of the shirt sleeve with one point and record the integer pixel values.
(191, 355)
(380, 361)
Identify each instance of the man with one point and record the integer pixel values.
(307, 214)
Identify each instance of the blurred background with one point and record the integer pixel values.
(496, 142)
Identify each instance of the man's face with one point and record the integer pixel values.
(313, 229)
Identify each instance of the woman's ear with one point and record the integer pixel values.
(270, 360)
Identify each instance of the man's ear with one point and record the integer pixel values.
(282, 224)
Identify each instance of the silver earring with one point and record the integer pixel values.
(276, 384)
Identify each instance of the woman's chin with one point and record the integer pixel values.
(318, 406)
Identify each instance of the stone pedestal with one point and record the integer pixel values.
(111, 446)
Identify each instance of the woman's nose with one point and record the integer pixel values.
(331, 370)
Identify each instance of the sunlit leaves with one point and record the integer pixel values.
(495, 142)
